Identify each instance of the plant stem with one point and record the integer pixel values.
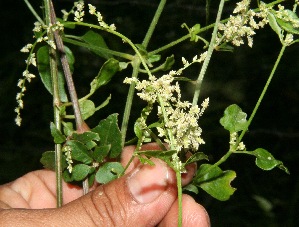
(136, 66)
(180, 202)
(56, 104)
(209, 55)
(153, 24)
(232, 150)
(34, 12)
(124, 127)
(264, 91)
(185, 37)
(80, 124)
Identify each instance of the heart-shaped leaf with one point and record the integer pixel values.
(215, 181)
(234, 119)
(266, 161)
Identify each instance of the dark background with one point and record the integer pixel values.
(236, 77)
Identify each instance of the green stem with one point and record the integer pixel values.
(128, 106)
(209, 55)
(34, 12)
(169, 132)
(153, 24)
(124, 38)
(180, 193)
(56, 104)
(136, 67)
(232, 150)
(258, 103)
(185, 37)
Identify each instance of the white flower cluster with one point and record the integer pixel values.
(242, 24)
(233, 140)
(31, 60)
(93, 11)
(79, 12)
(179, 118)
(68, 153)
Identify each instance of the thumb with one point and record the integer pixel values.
(143, 196)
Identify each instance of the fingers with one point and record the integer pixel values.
(144, 196)
(194, 215)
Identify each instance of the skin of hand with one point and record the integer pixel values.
(144, 196)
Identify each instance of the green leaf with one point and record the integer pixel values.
(107, 71)
(141, 49)
(225, 47)
(80, 171)
(110, 134)
(215, 182)
(163, 155)
(191, 188)
(145, 160)
(43, 65)
(168, 63)
(91, 179)
(87, 108)
(97, 40)
(57, 135)
(154, 58)
(274, 25)
(68, 128)
(79, 151)
(48, 160)
(289, 25)
(266, 161)
(86, 137)
(101, 152)
(234, 119)
(67, 177)
(66, 24)
(196, 157)
(108, 172)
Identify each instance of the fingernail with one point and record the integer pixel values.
(147, 182)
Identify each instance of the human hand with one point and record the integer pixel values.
(145, 196)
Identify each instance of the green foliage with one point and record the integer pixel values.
(92, 154)
(43, 64)
(110, 135)
(108, 70)
(57, 135)
(215, 181)
(108, 172)
(94, 39)
(266, 161)
(234, 120)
